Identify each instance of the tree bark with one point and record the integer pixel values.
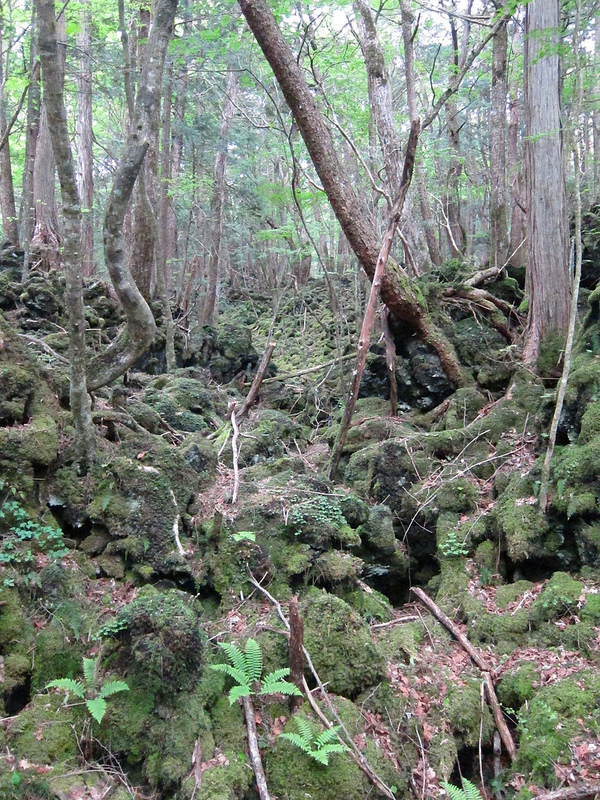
(32, 130)
(53, 78)
(397, 293)
(7, 192)
(140, 327)
(498, 211)
(83, 133)
(547, 283)
(217, 203)
(517, 250)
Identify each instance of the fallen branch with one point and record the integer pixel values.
(308, 371)
(572, 792)
(45, 347)
(348, 741)
(480, 661)
(397, 621)
(234, 451)
(390, 360)
(296, 643)
(257, 766)
(178, 545)
(257, 379)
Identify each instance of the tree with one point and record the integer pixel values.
(84, 134)
(498, 205)
(7, 193)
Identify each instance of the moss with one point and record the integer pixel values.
(378, 532)
(551, 722)
(371, 605)
(503, 631)
(43, 731)
(463, 407)
(337, 567)
(590, 423)
(56, 656)
(401, 642)
(517, 687)
(17, 386)
(511, 592)
(486, 558)
(356, 511)
(340, 645)
(576, 464)
(559, 598)
(520, 519)
(590, 611)
(463, 708)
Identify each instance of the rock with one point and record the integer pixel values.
(95, 543)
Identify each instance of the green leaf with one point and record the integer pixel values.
(281, 687)
(276, 675)
(97, 708)
(237, 674)
(68, 685)
(237, 692)
(296, 739)
(328, 735)
(89, 670)
(253, 658)
(235, 655)
(112, 687)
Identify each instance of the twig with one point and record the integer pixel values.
(44, 346)
(257, 766)
(234, 450)
(257, 379)
(296, 644)
(309, 370)
(178, 545)
(501, 725)
(397, 621)
(572, 793)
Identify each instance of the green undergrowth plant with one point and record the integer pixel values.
(246, 669)
(88, 689)
(318, 746)
(468, 792)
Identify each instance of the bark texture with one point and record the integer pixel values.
(32, 130)
(83, 132)
(140, 327)
(53, 78)
(498, 212)
(547, 284)
(7, 192)
(397, 293)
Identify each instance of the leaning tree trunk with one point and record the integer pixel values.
(547, 283)
(140, 327)
(396, 291)
(83, 130)
(53, 78)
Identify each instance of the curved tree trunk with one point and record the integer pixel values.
(401, 298)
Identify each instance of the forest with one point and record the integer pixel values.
(300, 400)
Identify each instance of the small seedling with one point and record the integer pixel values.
(87, 690)
(319, 747)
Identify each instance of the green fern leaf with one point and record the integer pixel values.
(68, 685)
(328, 735)
(276, 675)
(97, 708)
(321, 756)
(238, 675)
(237, 692)
(333, 748)
(253, 658)
(454, 791)
(89, 670)
(471, 791)
(112, 687)
(281, 687)
(305, 729)
(235, 655)
(298, 740)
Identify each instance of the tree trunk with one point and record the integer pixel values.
(7, 192)
(32, 130)
(217, 203)
(83, 132)
(547, 284)
(498, 211)
(518, 246)
(165, 168)
(397, 293)
(140, 327)
(53, 79)
(596, 112)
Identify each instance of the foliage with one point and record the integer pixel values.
(453, 546)
(468, 792)
(87, 689)
(319, 747)
(246, 670)
(25, 537)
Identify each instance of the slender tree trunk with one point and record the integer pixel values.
(429, 223)
(596, 111)
(165, 167)
(397, 293)
(32, 130)
(53, 78)
(7, 192)
(140, 327)
(217, 203)
(517, 250)
(83, 132)
(547, 285)
(498, 205)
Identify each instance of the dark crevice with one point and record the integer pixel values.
(17, 698)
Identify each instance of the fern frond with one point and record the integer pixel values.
(97, 708)
(238, 675)
(470, 790)
(234, 654)
(68, 685)
(112, 687)
(276, 675)
(283, 687)
(89, 670)
(333, 748)
(253, 658)
(298, 740)
(320, 756)
(239, 691)
(328, 735)
(305, 729)
(455, 792)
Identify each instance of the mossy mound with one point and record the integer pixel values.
(340, 645)
(185, 401)
(559, 599)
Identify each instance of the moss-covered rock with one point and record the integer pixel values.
(522, 523)
(517, 686)
(465, 710)
(559, 598)
(340, 645)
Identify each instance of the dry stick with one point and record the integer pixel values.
(397, 621)
(479, 661)
(258, 379)
(259, 773)
(562, 389)
(390, 360)
(365, 332)
(353, 751)
(309, 370)
(296, 654)
(234, 450)
(572, 793)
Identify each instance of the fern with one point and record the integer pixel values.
(468, 792)
(318, 748)
(68, 685)
(95, 700)
(89, 671)
(246, 670)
